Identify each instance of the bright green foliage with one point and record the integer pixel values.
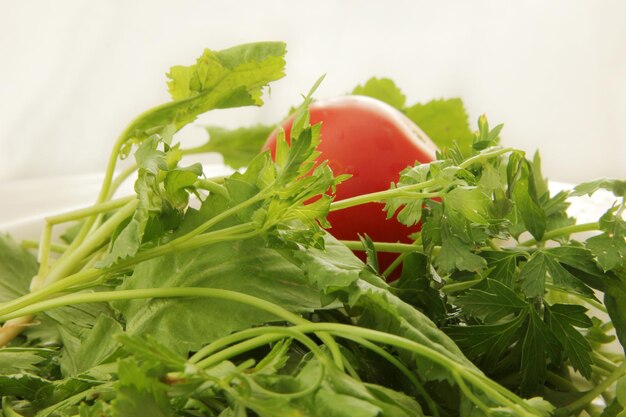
(226, 297)
(617, 187)
(610, 246)
(220, 79)
(15, 360)
(383, 89)
(97, 345)
(563, 319)
(17, 267)
(538, 345)
(244, 266)
(486, 344)
(493, 303)
(138, 393)
(445, 122)
(239, 146)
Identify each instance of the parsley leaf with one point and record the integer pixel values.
(445, 122)
(526, 200)
(495, 302)
(471, 202)
(562, 320)
(533, 275)
(17, 267)
(97, 345)
(486, 344)
(538, 344)
(244, 266)
(617, 187)
(455, 253)
(609, 247)
(564, 279)
(502, 265)
(417, 287)
(382, 89)
(238, 146)
(16, 360)
(138, 393)
(220, 79)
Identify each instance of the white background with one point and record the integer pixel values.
(73, 73)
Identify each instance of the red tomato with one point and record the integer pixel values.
(373, 142)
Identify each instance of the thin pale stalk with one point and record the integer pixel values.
(563, 231)
(592, 394)
(384, 246)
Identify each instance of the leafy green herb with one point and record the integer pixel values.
(238, 147)
(226, 296)
(17, 267)
(445, 121)
(383, 89)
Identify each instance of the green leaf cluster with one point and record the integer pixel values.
(226, 297)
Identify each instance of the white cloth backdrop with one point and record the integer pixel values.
(73, 73)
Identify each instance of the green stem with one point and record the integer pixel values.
(212, 187)
(87, 276)
(34, 244)
(112, 162)
(615, 361)
(460, 286)
(65, 265)
(43, 254)
(496, 391)
(238, 232)
(581, 298)
(37, 295)
(469, 394)
(480, 158)
(607, 395)
(380, 196)
(291, 395)
(592, 394)
(108, 186)
(257, 337)
(384, 246)
(202, 358)
(394, 265)
(560, 382)
(351, 371)
(603, 362)
(46, 234)
(432, 405)
(108, 296)
(247, 345)
(105, 189)
(120, 178)
(491, 388)
(222, 216)
(115, 185)
(564, 231)
(91, 210)
(600, 371)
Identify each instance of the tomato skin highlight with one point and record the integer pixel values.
(373, 142)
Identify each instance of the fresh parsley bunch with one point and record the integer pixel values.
(241, 304)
